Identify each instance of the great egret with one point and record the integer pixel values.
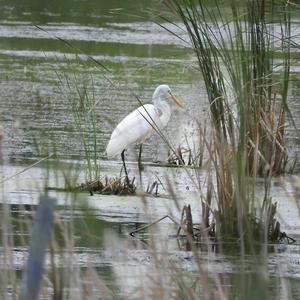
(141, 123)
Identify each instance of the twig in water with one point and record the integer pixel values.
(132, 233)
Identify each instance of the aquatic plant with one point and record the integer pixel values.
(191, 153)
(110, 186)
(244, 58)
(80, 94)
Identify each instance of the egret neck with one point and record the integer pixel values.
(163, 107)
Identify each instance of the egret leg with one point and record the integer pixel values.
(140, 164)
(124, 165)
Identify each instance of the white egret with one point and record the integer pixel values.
(142, 123)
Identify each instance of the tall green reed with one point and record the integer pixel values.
(239, 51)
(80, 94)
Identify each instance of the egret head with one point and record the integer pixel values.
(164, 90)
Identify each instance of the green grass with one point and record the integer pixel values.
(80, 94)
(247, 102)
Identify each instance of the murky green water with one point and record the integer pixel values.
(138, 53)
(36, 118)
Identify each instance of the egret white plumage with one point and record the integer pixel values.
(142, 122)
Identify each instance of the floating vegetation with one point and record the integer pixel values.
(123, 186)
(110, 186)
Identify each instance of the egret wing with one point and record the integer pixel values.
(134, 128)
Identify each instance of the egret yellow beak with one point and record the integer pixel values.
(175, 99)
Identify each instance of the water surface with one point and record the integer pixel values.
(36, 119)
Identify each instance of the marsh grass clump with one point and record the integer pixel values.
(191, 155)
(110, 186)
(238, 56)
(81, 96)
(182, 156)
(123, 186)
(243, 53)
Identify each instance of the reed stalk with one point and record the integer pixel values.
(80, 94)
(247, 98)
